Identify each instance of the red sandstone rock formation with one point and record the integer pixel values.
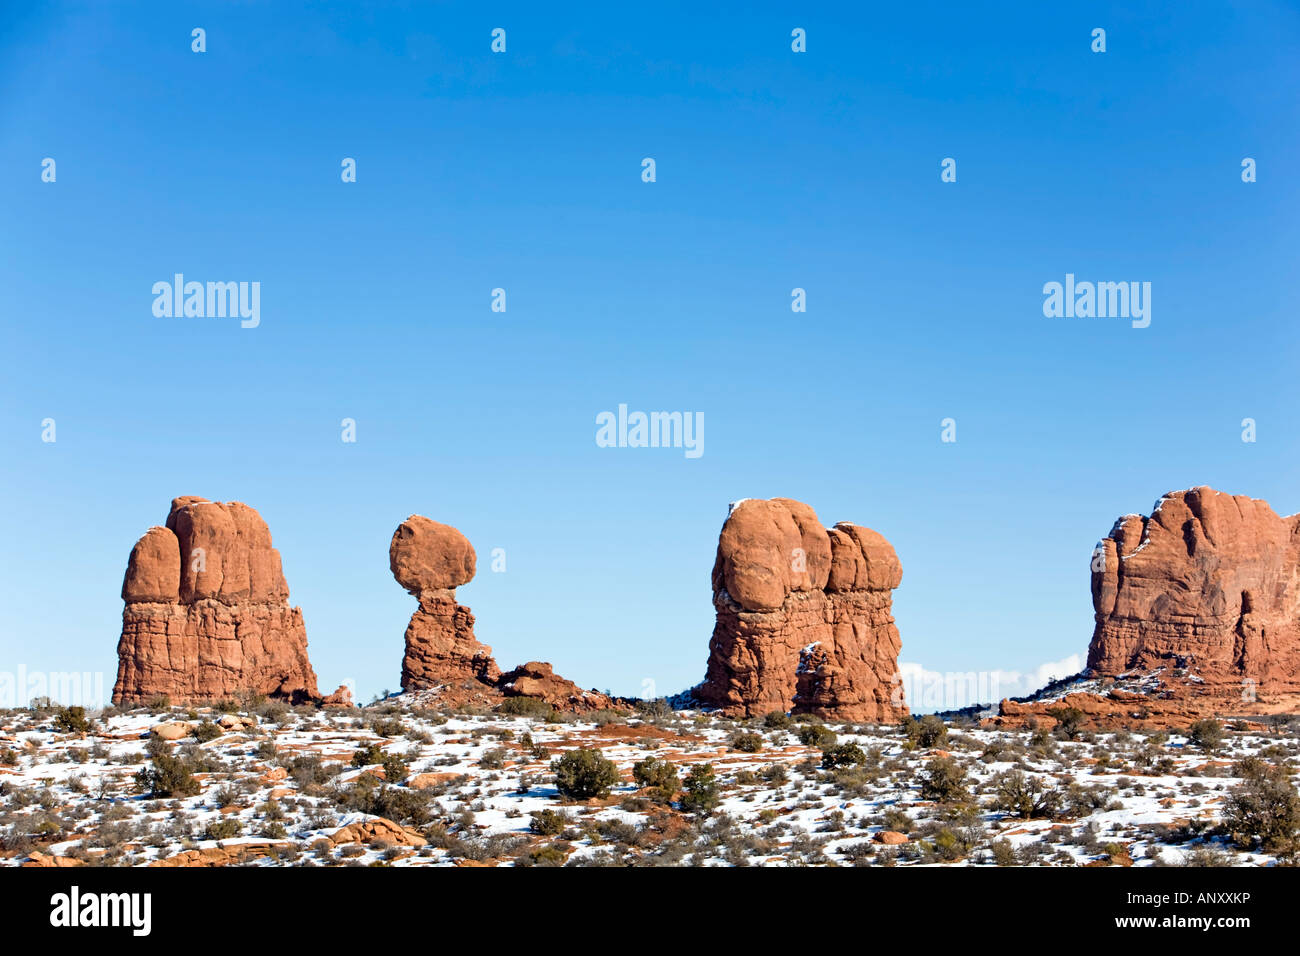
(207, 612)
(803, 617)
(1210, 583)
(431, 560)
(1197, 614)
(537, 679)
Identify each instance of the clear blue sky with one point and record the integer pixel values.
(523, 171)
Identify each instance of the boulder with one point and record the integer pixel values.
(427, 556)
(373, 829)
(172, 730)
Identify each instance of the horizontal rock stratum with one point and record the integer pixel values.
(804, 620)
(207, 613)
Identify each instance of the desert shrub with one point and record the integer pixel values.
(367, 794)
(1264, 807)
(843, 755)
(493, 759)
(655, 709)
(618, 831)
(72, 720)
(1025, 796)
(746, 741)
(700, 789)
(388, 727)
(660, 776)
(526, 707)
(549, 822)
(995, 750)
(1004, 854)
(226, 829)
(776, 720)
(944, 780)
(930, 731)
(1207, 854)
(548, 855)
(275, 711)
(948, 845)
(775, 774)
(858, 853)
(308, 771)
(1069, 721)
(1080, 801)
(168, 776)
(1116, 852)
(395, 767)
(1207, 734)
(206, 731)
(817, 735)
(583, 773)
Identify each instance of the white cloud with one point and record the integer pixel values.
(928, 690)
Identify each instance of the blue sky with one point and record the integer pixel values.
(522, 170)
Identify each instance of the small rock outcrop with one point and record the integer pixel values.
(537, 679)
(207, 613)
(804, 621)
(431, 560)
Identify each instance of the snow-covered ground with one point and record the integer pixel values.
(472, 784)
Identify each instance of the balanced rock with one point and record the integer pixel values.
(804, 619)
(207, 612)
(431, 560)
